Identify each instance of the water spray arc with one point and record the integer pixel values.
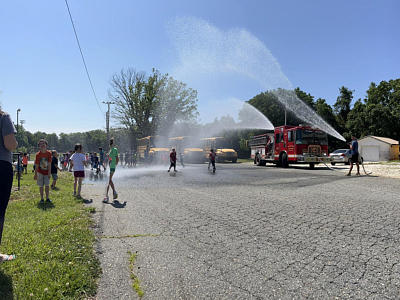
(292, 103)
(205, 50)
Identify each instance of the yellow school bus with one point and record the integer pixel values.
(189, 147)
(221, 148)
(150, 150)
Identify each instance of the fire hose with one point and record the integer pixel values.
(362, 164)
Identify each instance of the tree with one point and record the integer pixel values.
(379, 113)
(268, 104)
(382, 111)
(342, 107)
(147, 104)
(306, 98)
(356, 121)
(176, 102)
(326, 112)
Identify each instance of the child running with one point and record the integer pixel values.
(78, 162)
(43, 170)
(211, 157)
(172, 159)
(54, 169)
(114, 159)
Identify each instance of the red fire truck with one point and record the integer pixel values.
(290, 145)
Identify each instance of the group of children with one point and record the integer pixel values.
(97, 161)
(46, 166)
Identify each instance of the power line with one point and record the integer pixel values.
(83, 58)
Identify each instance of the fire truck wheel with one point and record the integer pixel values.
(284, 160)
(312, 166)
(258, 160)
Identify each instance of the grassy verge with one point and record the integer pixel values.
(53, 244)
(135, 279)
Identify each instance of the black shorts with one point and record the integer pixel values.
(354, 158)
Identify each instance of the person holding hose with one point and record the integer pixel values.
(354, 155)
(8, 143)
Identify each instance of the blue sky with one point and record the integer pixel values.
(319, 46)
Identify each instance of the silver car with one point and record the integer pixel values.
(340, 156)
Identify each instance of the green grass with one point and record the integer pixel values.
(53, 244)
(135, 279)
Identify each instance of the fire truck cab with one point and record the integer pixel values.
(290, 145)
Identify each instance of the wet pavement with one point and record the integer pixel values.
(248, 232)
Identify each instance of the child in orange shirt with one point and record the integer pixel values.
(43, 169)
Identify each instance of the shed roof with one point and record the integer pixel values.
(383, 139)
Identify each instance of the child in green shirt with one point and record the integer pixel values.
(114, 159)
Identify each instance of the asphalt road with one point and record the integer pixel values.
(248, 232)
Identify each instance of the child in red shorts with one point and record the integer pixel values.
(78, 163)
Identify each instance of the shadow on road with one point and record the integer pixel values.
(118, 204)
(86, 201)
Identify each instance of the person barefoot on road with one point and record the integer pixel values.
(78, 163)
(172, 159)
(114, 159)
(354, 156)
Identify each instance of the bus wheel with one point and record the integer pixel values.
(234, 160)
(312, 166)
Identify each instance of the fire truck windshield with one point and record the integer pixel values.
(311, 137)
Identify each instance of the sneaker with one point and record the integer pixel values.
(115, 195)
(41, 201)
(167, 170)
(48, 200)
(105, 200)
(175, 170)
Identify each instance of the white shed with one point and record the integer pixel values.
(375, 148)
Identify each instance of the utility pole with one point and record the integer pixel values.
(18, 110)
(108, 120)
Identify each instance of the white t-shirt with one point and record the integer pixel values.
(78, 159)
